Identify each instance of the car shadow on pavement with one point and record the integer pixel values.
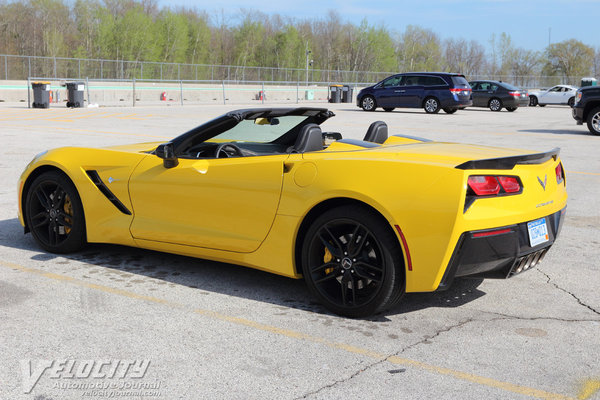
(127, 264)
(583, 132)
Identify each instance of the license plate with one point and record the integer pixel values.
(538, 232)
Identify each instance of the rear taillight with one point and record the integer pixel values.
(458, 90)
(484, 185)
(490, 185)
(560, 176)
(510, 184)
(515, 94)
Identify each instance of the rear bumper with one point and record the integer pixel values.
(505, 252)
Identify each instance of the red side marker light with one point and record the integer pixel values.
(491, 233)
(405, 245)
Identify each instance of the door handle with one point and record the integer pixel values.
(399, 91)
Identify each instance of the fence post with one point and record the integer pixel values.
(6, 67)
(54, 75)
(133, 91)
(87, 88)
(297, 91)
(141, 70)
(28, 92)
(28, 66)
(181, 91)
(79, 67)
(223, 82)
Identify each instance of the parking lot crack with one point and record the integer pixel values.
(340, 381)
(549, 281)
(428, 338)
(503, 316)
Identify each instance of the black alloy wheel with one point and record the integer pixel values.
(352, 262)
(54, 213)
(533, 101)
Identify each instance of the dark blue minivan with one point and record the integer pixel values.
(433, 91)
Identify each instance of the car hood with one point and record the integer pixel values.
(135, 148)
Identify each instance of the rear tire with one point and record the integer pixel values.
(593, 121)
(54, 213)
(431, 105)
(368, 103)
(352, 262)
(571, 102)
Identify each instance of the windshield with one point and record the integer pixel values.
(262, 130)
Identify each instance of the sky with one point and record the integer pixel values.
(531, 24)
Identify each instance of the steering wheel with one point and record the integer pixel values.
(225, 150)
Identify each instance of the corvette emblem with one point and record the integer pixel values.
(543, 183)
(111, 180)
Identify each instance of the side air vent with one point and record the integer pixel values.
(106, 191)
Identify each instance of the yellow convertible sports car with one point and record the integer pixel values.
(363, 221)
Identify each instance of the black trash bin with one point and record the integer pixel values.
(346, 94)
(335, 93)
(75, 94)
(41, 94)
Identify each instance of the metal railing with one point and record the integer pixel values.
(14, 67)
(20, 67)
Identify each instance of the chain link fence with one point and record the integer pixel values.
(20, 67)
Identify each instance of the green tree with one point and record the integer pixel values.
(419, 50)
(570, 58)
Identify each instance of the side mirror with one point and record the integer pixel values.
(167, 153)
(330, 137)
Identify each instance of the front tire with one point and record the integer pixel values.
(593, 121)
(368, 103)
(431, 105)
(495, 104)
(352, 262)
(54, 213)
(533, 101)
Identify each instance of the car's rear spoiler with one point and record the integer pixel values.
(510, 162)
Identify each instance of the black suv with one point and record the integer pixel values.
(587, 108)
(431, 90)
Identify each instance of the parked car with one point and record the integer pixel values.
(559, 94)
(495, 95)
(587, 108)
(433, 91)
(362, 221)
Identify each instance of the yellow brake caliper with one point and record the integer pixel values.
(327, 258)
(68, 207)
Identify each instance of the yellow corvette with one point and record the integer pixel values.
(363, 221)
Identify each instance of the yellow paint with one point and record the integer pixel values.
(248, 210)
(589, 388)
